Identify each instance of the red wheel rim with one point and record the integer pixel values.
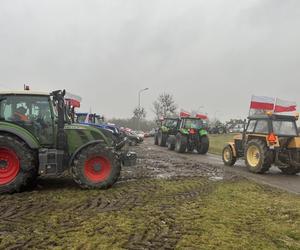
(97, 169)
(9, 165)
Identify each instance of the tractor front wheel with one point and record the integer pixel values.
(18, 168)
(228, 158)
(171, 142)
(181, 143)
(257, 156)
(162, 139)
(203, 145)
(96, 167)
(155, 139)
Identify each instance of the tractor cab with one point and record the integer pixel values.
(167, 126)
(191, 125)
(32, 111)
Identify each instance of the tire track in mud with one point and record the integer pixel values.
(135, 190)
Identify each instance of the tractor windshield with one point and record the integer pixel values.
(285, 128)
(170, 123)
(32, 112)
(192, 123)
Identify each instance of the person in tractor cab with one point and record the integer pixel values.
(20, 114)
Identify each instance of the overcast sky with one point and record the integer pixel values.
(213, 54)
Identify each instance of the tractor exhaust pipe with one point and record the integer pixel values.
(58, 98)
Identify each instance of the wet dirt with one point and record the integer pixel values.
(57, 209)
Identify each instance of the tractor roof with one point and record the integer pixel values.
(191, 118)
(23, 92)
(85, 114)
(171, 118)
(273, 117)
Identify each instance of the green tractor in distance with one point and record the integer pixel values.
(191, 134)
(37, 138)
(168, 126)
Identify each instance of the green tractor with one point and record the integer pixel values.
(168, 126)
(37, 138)
(191, 134)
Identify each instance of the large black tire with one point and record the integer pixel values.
(290, 170)
(162, 139)
(96, 167)
(155, 139)
(171, 142)
(257, 156)
(20, 162)
(181, 143)
(227, 156)
(204, 145)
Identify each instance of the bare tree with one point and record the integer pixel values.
(164, 106)
(139, 113)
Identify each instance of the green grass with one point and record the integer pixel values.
(188, 213)
(217, 142)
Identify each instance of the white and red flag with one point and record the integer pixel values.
(201, 116)
(184, 113)
(73, 100)
(284, 106)
(262, 103)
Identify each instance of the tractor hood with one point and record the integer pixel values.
(80, 134)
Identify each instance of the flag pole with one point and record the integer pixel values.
(274, 105)
(250, 106)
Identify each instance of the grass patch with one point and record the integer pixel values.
(189, 213)
(217, 142)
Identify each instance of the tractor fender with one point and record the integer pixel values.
(82, 147)
(23, 134)
(232, 145)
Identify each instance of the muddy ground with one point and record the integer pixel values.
(152, 206)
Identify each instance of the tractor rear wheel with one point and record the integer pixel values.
(204, 145)
(228, 158)
(162, 139)
(96, 167)
(155, 139)
(257, 156)
(181, 143)
(18, 169)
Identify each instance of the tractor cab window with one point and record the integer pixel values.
(251, 126)
(285, 128)
(262, 127)
(99, 120)
(171, 123)
(192, 123)
(30, 112)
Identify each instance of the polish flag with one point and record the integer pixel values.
(73, 100)
(201, 116)
(284, 106)
(262, 102)
(184, 113)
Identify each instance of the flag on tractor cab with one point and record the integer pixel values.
(201, 116)
(284, 106)
(73, 100)
(184, 113)
(262, 103)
